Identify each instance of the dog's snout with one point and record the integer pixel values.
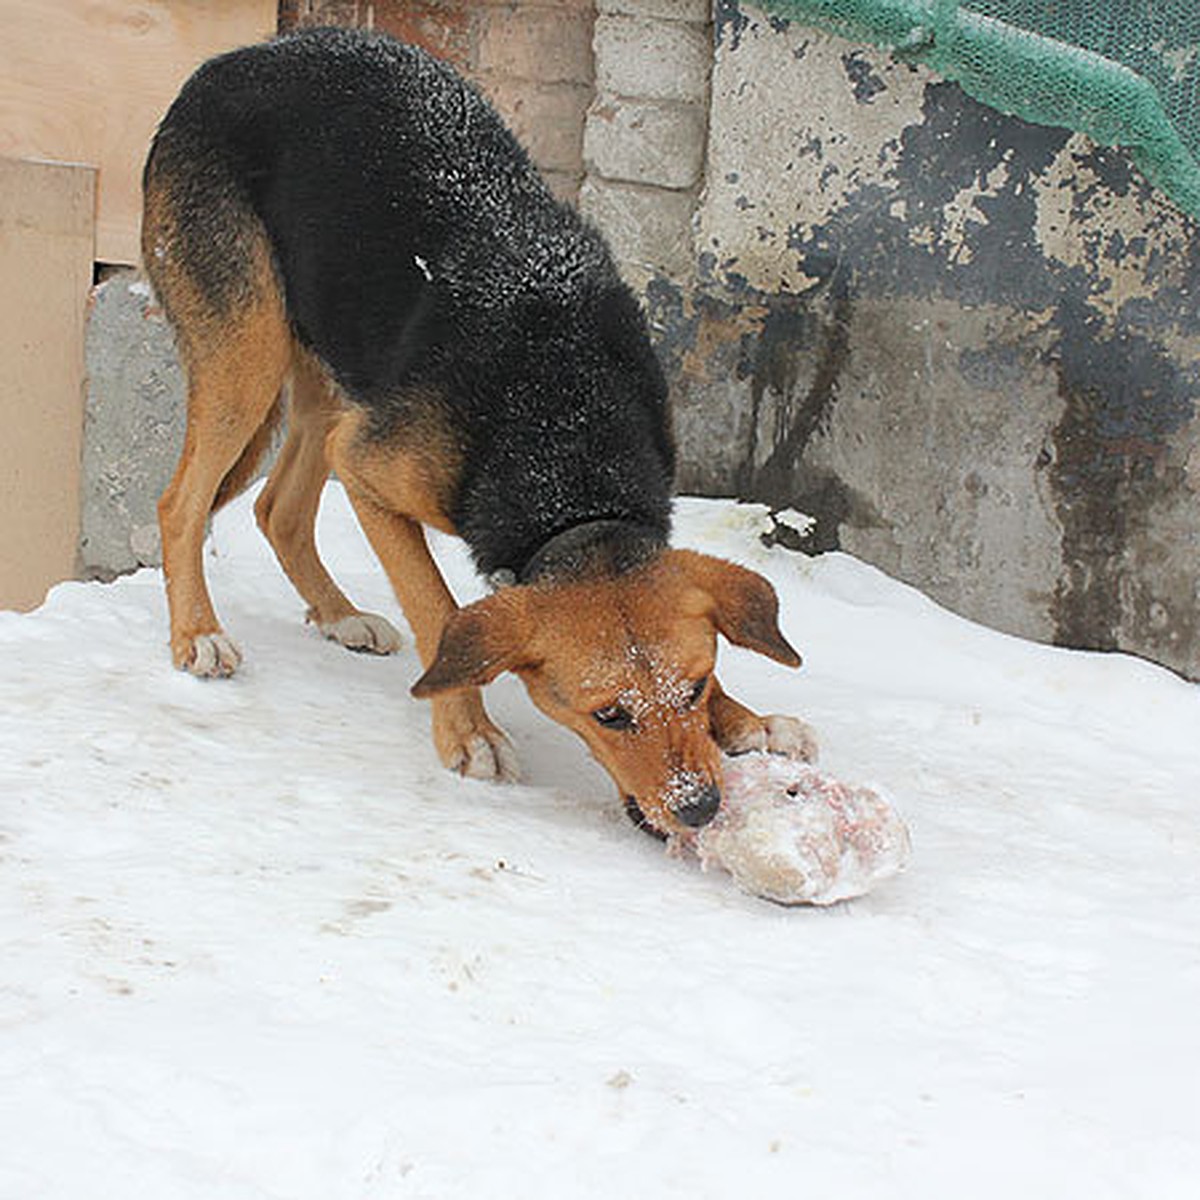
(699, 807)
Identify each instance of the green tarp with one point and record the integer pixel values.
(1125, 72)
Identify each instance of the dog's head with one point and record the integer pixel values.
(625, 661)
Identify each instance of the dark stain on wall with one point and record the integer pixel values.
(790, 356)
(1123, 397)
(729, 22)
(863, 77)
(956, 147)
(776, 474)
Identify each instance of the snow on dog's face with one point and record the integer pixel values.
(625, 661)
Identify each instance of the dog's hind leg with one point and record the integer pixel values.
(232, 387)
(287, 511)
(207, 255)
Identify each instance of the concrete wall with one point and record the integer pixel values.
(646, 132)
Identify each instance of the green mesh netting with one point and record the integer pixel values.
(1125, 72)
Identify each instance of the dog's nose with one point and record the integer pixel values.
(700, 806)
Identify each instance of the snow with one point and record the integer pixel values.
(257, 944)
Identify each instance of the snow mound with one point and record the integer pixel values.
(257, 943)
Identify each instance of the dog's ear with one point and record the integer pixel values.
(745, 607)
(477, 644)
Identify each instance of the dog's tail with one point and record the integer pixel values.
(242, 473)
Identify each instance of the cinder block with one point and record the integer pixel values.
(666, 10)
(541, 44)
(582, 6)
(133, 427)
(649, 229)
(546, 117)
(646, 141)
(658, 60)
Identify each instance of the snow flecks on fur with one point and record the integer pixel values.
(654, 690)
(683, 786)
(669, 687)
(478, 178)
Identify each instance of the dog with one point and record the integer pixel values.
(338, 218)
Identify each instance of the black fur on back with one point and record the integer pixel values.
(421, 256)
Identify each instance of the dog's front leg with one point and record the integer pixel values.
(739, 730)
(465, 737)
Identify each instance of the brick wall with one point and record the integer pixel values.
(533, 60)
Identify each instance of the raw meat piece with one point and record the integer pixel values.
(791, 833)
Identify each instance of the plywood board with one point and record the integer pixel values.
(47, 228)
(88, 83)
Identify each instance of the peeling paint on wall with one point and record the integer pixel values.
(771, 183)
(1094, 216)
(967, 345)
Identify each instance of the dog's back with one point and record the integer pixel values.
(364, 159)
(420, 253)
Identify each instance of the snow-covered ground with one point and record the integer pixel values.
(255, 943)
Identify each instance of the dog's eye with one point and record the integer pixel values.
(698, 690)
(613, 716)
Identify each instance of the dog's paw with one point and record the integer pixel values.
(790, 737)
(469, 741)
(487, 756)
(365, 632)
(208, 655)
(787, 736)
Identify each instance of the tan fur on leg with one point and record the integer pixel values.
(286, 510)
(232, 389)
(236, 355)
(392, 496)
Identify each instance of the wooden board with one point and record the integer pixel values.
(46, 236)
(88, 82)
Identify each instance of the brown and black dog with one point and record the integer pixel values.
(340, 218)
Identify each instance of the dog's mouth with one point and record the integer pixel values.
(693, 816)
(633, 811)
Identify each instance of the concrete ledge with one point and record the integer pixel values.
(546, 117)
(540, 44)
(665, 10)
(696, 11)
